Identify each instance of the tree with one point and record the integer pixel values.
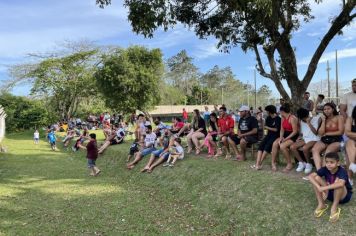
(128, 78)
(182, 73)
(253, 24)
(64, 80)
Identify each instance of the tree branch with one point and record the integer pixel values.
(341, 20)
(259, 65)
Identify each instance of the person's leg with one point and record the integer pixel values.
(258, 159)
(212, 145)
(275, 151)
(333, 147)
(103, 147)
(285, 151)
(233, 141)
(316, 150)
(243, 146)
(195, 139)
(225, 142)
(189, 142)
(149, 163)
(97, 170)
(156, 163)
(183, 129)
(339, 194)
(294, 148)
(175, 158)
(306, 150)
(351, 153)
(321, 197)
(138, 157)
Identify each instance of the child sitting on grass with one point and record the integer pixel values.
(175, 152)
(335, 186)
(135, 147)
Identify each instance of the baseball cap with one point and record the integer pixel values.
(244, 108)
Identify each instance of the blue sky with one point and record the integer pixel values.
(28, 26)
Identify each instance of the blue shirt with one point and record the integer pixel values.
(51, 137)
(330, 178)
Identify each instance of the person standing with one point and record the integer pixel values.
(185, 116)
(308, 103)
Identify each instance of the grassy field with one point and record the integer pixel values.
(50, 193)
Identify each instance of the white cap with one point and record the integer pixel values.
(244, 108)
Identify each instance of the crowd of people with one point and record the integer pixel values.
(313, 136)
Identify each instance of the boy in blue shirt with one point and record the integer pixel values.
(52, 139)
(332, 183)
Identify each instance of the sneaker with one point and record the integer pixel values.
(165, 164)
(301, 167)
(171, 165)
(352, 167)
(308, 168)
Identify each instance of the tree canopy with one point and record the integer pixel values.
(257, 25)
(128, 78)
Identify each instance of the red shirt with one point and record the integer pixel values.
(178, 125)
(185, 115)
(226, 124)
(92, 150)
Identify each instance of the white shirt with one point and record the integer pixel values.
(150, 139)
(180, 151)
(308, 134)
(349, 99)
(36, 135)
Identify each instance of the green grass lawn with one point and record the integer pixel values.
(50, 193)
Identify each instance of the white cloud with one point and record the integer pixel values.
(206, 49)
(330, 56)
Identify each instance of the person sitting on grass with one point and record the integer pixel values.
(92, 155)
(288, 135)
(332, 183)
(134, 148)
(273, 125)
(178, 124)
(331, 130)
(117, 137)
(162, 154)
(70, 135)
(175, 152)
(52, 139)
(309, 130)
(148, 148)
(82, 138)
(350, 131)
(247, 133)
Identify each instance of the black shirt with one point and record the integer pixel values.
(247, 124)
(273, 123)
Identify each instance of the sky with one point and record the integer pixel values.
(38, 26)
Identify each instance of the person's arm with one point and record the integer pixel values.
(312, 128)
(321, 130)
(351, 135)
(253, 131)
(341, 123)
(311, 105)
(339, 183)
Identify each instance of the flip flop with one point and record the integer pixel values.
(320, 212)
(253, 166)
(144, 170)
(287, 170)
(274, 168)
(335, 217)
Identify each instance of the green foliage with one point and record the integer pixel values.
(23, 113)
(129, 78)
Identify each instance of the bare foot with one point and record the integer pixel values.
(274, 167)
(144, 169)
(287, 169)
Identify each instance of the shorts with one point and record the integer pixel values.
(346, 199)
(52, 143)
(158, 152)
(147, 151)
(114, 141)
(287, 133)
(133, 150)
(36, 139)
(266, 144)
(331, 139)
(165, 156)
(249, 139)
(91, 163)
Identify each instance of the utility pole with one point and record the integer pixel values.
(222, 95)
(328, 69)
(337, 78)
(254, 77)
